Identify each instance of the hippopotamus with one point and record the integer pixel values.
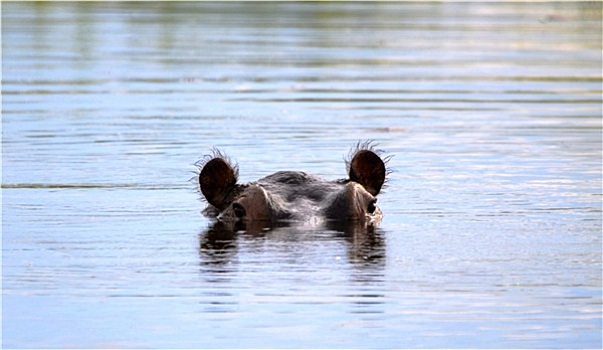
(295, 195)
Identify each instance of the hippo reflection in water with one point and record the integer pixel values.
(295, 195)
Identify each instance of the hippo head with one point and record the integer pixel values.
(294, 195)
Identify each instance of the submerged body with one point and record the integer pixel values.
(295, 195)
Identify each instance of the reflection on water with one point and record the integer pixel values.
(366, 243)
(219, 243)
(491, 235)
(280, 266)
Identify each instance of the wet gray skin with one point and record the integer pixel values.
(295, 195)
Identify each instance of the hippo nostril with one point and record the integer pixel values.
(238, 209)
(371, 207)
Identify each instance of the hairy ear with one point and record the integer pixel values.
(367, 169)
(217, 179)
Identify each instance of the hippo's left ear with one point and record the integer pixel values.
(217, 179)
(367, 169)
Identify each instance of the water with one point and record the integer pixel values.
(492, 228)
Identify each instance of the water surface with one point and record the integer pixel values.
(492, 227)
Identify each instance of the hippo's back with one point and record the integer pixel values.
(292, 178)
(294, 185)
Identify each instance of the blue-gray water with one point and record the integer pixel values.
(492, 228)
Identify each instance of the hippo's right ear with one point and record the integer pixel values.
(217, 179)
(368, 169)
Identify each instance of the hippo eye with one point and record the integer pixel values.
(238, 210)
(371, 207)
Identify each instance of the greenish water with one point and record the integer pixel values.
(492, 218)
